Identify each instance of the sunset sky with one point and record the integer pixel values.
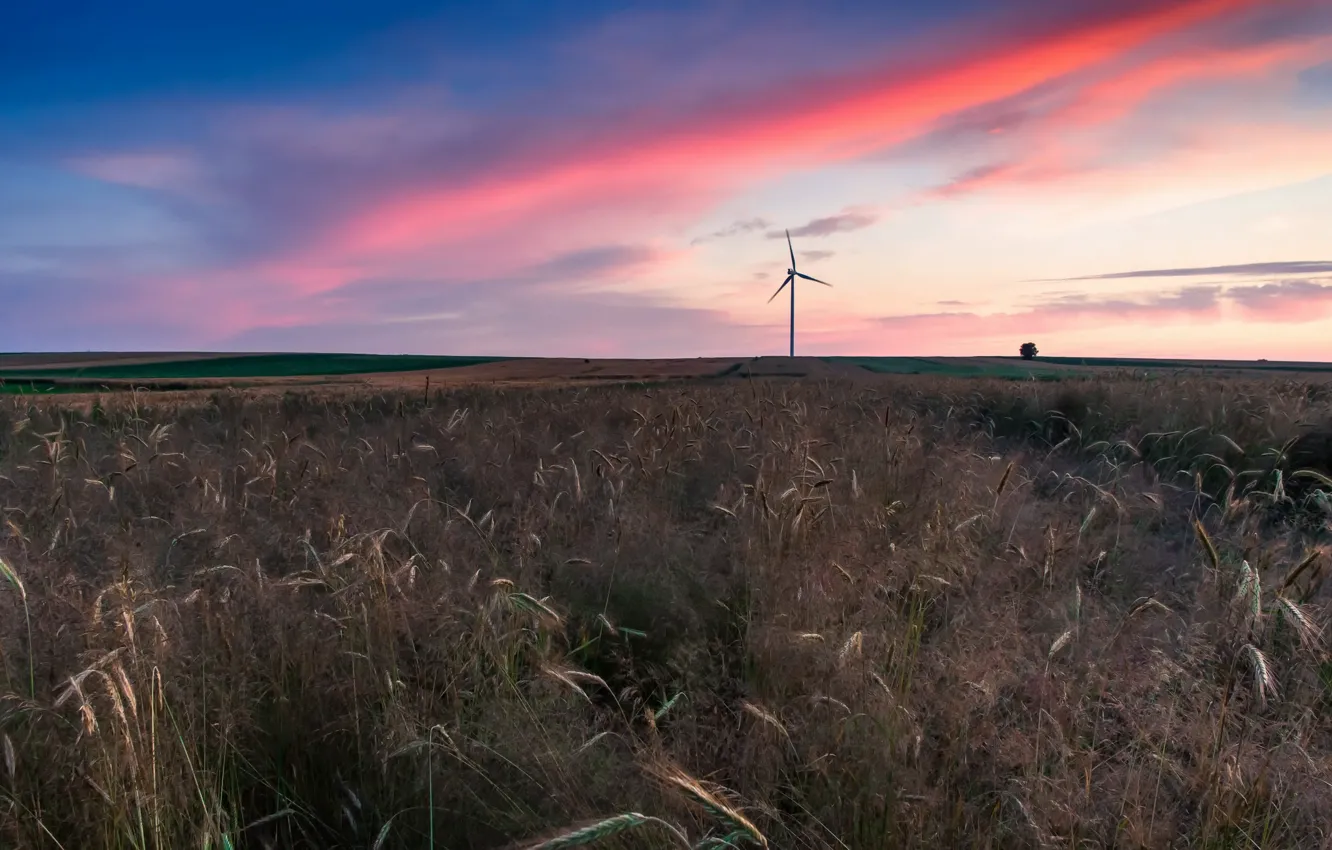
(598, 178)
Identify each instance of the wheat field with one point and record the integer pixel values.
(908, 613)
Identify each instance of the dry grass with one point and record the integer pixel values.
(908, 613)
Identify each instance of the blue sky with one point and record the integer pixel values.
(604, 178)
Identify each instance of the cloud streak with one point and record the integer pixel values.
(737, 228)
(829, 225)
(397, 200)
(1284, 302)
(1033, 129)
(533, 312)
(294, 207)
(1290, 267)
(1287, 301)
(711, 149)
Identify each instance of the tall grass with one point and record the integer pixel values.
(905, 613)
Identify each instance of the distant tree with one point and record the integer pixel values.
(1028, 350)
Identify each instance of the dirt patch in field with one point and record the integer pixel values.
(556, 371)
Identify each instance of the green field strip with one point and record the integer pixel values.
(255, 366)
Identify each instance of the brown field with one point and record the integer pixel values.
(548, 372)
(531, 372)
(893, 611)
(172, 371)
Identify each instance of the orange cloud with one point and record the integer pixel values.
(1119, 94)
(857, 117)
(1049, 154)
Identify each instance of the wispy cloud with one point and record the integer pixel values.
(1285, 302)
(969, 180)
(1053, 133)
(719, 146)
(298, 211)
(147, 170)
(1316, 84)
(748, 225)
(841, 223)
(533, 312)
(1290, 267)
(815, 256)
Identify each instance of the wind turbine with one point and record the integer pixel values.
(791, 275)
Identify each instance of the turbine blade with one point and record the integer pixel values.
(815, 279)
(780, 288)
(792, 249)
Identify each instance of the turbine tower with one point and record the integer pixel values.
(791, 275)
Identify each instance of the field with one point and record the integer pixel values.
(601, 603)
(47, 374)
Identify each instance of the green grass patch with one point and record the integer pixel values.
(946, 367)
(1208, 365)
(39, 388)
(256, 366)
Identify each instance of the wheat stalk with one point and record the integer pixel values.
(1003, 481)
(851, 647)
(1304, 565)
(13, 578)
(1060, 642)
(765, 716)
(593, 832)
(1212, 557)
(1307, 630)
(1138, 607)
(1248, 596)
(682, 781)
(1264, 684)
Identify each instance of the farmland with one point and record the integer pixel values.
(101, 372)
(806, 604)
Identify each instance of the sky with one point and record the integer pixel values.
(609, 178)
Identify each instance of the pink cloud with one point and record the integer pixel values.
(648, 175)
(1274, 318)
(717, 152)
(1287, 302)
(1052, 153)
(1284, 302)
(1117, 95)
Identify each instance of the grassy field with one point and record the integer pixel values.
(49, 374)
(902, 611)
(964, 367)
(244, 366)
